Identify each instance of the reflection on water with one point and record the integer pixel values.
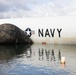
(8, 52)
(48, 55)
(37, 59)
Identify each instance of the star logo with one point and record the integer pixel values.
(28, 32)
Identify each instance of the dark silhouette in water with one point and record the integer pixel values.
(41, 53)
(8, 52)
(47, 54)
(52, 52)
(52, 55)
(59, 55)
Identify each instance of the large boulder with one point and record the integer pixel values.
(10, 33)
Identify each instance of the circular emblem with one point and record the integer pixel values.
(28, 32)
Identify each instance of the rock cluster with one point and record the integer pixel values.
(10, 33)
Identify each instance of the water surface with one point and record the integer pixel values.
(37, 59)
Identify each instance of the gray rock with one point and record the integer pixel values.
(10, 33)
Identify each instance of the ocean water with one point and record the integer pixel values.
(37, 59)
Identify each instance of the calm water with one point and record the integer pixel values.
(37, 59)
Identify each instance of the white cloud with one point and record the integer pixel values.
(19, 8)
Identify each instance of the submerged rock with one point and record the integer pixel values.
(10, 33)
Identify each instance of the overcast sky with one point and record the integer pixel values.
(20, 8)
